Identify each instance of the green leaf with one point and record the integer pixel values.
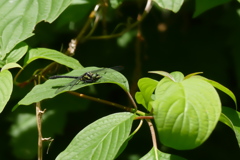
(221, 88)
(231, 118)
(163, 73)
(10, 65)
(129, 138)
(17, 53)
(192, 74)
(204, 5)
(76, 13)
(18, 19)
(126, 38)
(146, 86)
(6, 87)
(173, 5)
(100, 140)
(115, 3)
(155, 154)
(185, 112)
(49, 88)
(52, 55)
(174, 76)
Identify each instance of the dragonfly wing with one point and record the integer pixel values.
(71, 84)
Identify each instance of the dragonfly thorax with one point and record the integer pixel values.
(90, 77)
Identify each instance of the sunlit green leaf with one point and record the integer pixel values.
(17, 53)
(231, 118)
(185, 112)
(204, 5)
(146, 86)
(53, 55)
(124, 145)
(192, 74)
(10, 65)
(174, 76)
(6, 87)
(100, 140)
(18, 19)
(163, 73)
(221, 88)
(155, 154)
(49, 88)
(173, 5)
(115, 3)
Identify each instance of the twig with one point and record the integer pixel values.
(132, 100)
(144, 117)
(146, 11)
(154, 139)
(103, 101)
(39, 113)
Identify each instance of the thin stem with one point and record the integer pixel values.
(39, 113)
(132, 100)
(146, 11)
(88, 23)
(103, 101)
(154, 139)
(144, 117)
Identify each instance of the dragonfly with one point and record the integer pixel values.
(88, 77)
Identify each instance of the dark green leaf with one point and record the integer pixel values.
(204, 5)
(231, 118)
(76, 13)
